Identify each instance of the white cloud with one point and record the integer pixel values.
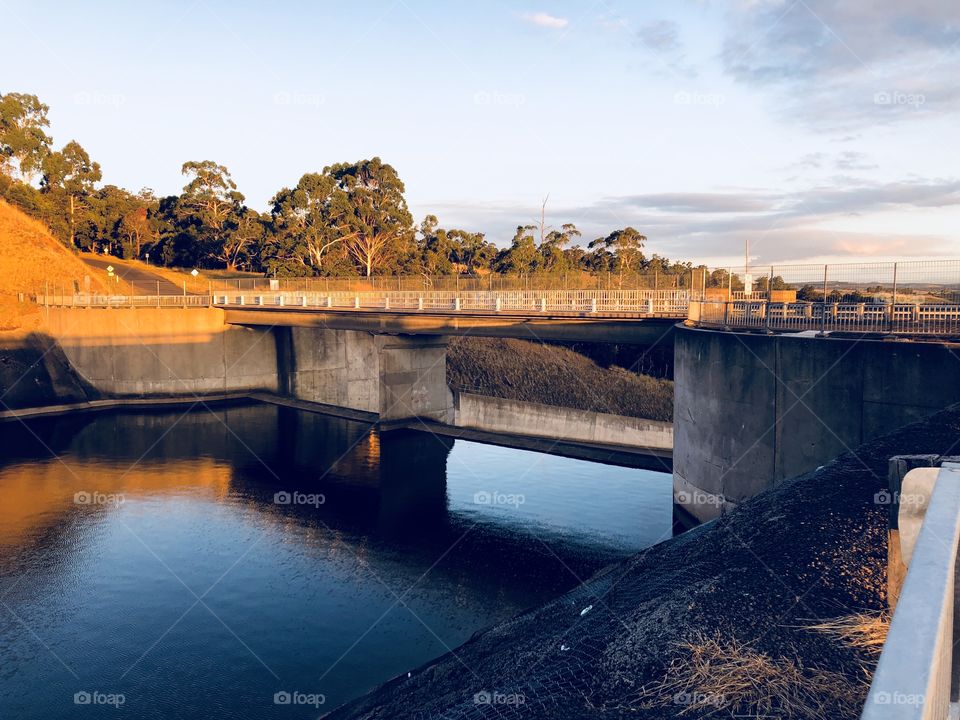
(546, 20)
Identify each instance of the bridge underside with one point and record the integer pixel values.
(637, 330)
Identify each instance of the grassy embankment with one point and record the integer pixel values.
(33, 371)
(31, 259)
(535, 372)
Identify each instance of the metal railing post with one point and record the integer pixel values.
(893, 301)
(823, 307)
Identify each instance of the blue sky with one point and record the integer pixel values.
(818, 130)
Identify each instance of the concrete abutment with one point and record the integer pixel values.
(166, 351)
(751, 410)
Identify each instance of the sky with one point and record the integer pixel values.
(815, 130)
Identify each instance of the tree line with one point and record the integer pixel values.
(350, 218)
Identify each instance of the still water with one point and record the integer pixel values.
(219, 563)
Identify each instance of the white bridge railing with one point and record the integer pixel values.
(942, 319)
(658, 303)
(88, 300)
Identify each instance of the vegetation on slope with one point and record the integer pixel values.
(535, 372)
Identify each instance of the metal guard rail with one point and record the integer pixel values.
(666, 303)
(914, 675)
(942, 319)
(84, 300)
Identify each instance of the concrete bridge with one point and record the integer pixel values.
(764, 390)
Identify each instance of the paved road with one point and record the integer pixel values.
(144, 282)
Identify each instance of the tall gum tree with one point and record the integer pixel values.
(376, 219)
(70, 172)
(311, 218)
(212, 205)
(23, 141)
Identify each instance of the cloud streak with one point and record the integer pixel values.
(710, 226)
(847, 65)
(545, 20)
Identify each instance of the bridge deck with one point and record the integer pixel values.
(570, 326)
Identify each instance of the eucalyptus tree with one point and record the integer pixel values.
(375, 219)
(626, 245)
(23, 141)
(435, 248)
(70, 176)
(521, 256)
(309, 220)
(554, 243)
(209, 210)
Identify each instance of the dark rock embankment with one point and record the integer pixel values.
(808, 551)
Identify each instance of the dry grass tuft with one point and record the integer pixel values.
(534, 372)
(866, 630)
(716, 675)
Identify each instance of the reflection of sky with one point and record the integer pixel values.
(114, 589)
(565, 496)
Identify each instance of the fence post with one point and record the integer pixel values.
(158, 293)
(769, 298)
(893, 301)
(823, 308)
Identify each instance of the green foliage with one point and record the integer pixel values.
(626, 245)
(376, 222)
(348, 219)
(23, 141)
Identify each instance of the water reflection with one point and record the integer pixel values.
(146, 554)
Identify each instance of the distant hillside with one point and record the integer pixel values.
(30, 258)
(533, 372)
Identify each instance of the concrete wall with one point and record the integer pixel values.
(396, 377)
(153, 351)
(751, 410)
(524, 418)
